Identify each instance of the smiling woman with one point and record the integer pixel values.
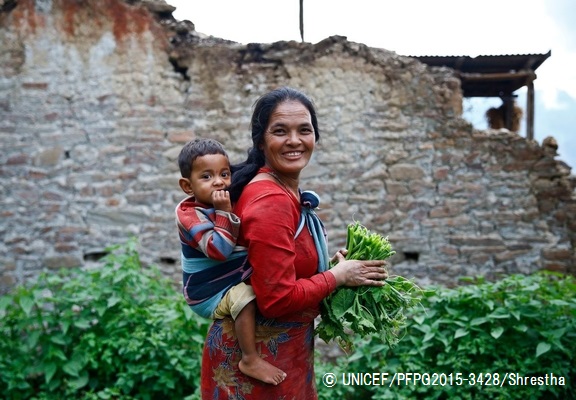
(289, 261)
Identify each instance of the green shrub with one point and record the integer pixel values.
(121, 331)
(525, 325)
(114, 331)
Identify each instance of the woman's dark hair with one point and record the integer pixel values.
(197, 148)
(243, 172)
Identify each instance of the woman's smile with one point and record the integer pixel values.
(293, 154)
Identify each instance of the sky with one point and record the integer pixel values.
(426, 27)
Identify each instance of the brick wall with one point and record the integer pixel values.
(96, 99)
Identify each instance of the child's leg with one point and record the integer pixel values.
(251, 363)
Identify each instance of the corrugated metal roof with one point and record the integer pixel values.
(490, 75)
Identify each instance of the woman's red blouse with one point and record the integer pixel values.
(284, 278)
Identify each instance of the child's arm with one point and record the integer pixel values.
(212, 231)
(226, 221)
(218, 242)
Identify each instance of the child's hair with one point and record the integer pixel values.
(197, 148)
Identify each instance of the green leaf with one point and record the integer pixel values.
(5, 301)
(80, 381)
(101, 309)
(497, 332)
(453, 311)
(54, 384)
(56, 353)
(499, 313)
(532, 288)
(542, 348)
(58, 339)
(49, 371)
(490, 304)
(65, 324)
(112, 301)
(515, 314)
(428, 336)
(555, 334)
(559, 302)
(460, 332)
(26, 302)
(82, 324)
(342, 301)
(478, 321)
(33, 338)
(72, 368)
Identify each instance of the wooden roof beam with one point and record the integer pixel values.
(497, 76)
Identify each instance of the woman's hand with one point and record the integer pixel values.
(358, 272)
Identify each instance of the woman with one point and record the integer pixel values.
(286, 262)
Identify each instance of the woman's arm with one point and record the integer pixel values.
(285, 278)
(282, 286)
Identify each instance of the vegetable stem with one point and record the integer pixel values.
(368, 310)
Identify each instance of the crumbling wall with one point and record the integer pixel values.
(97, 97)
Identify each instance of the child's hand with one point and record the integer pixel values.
(221, 200)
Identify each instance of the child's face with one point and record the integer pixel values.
(209, 173)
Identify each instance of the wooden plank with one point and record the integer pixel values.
(497, 76)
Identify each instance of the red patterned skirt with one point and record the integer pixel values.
(287, 345)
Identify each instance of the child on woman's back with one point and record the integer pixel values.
(214, 267)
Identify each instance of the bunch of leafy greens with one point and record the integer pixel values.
(367, 310)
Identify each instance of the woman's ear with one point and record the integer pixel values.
(186, 186)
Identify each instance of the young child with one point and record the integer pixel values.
(214, 268)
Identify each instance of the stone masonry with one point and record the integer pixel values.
(97, 97)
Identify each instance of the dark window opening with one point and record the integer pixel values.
(181, 70)
(95, 255)
(411, 256)
(168, 260)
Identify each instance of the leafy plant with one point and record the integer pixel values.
(117, 330)
(367, 310)
(521, 325)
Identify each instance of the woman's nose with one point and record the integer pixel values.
(293, 137)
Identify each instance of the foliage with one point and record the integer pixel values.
(525, 325)
(118, 330)
(367, 310)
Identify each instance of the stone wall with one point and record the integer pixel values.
(97, 98)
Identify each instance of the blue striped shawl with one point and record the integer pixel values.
(206, 280)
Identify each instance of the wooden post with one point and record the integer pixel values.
(302, 20)
(508, 101)
(530, 110)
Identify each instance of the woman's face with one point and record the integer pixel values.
(289, 139)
